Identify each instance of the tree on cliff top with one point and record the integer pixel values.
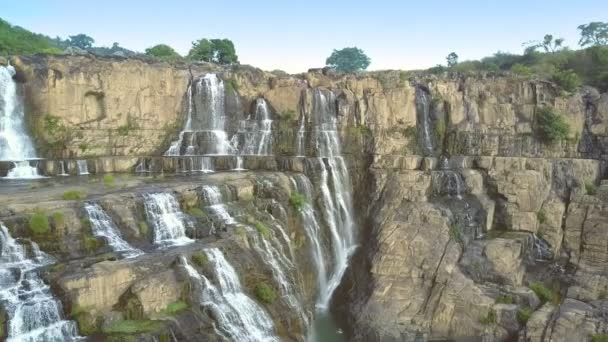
(81, 41)
(348, 60)
(164, 52)
(219, 51)
(594, 33)
(452, 59)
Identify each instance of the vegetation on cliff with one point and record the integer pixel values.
(350, 59)
(17, 40)
(219, 51)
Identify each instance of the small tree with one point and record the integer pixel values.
(81, 41)
(550, 126)
(162, 51)
(220, 51)
(350, 59)
(452, 59)
(594, 33)
(549, 44)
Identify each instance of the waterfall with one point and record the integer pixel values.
(103, 226)
(238, 317)
(423, 115)
(213, 198)
(33, 314)
(448, 182)
(83, 167)
(335, 187)
(15, 143)
(63, 167)
(205, 165)
(257, 132)
(167, 220)
(238, 164)
(300, 138)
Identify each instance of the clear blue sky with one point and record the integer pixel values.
(297, 35)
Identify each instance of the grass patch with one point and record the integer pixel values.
(524, 314)
(58, 219)
(196, 212)
(505, 299)
(39, 223)
(489, 318)
(544, 293)
(590, 188)
(297, 200)
(599, 338)
(199, 258)
(87, 325)
(455, 233)
(133, 327)
(90, 243)
(176, 307)
(265, 293)
(541, 216)
(143, 228)
(73, 195)
(263, 230)
(240, 231)
(288, 115)
(551, 126)
(109, 181)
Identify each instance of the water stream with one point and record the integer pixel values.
(167, 220)
(103, 226)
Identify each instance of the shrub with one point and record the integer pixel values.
(199, 258)
(58, 219)
(524, 314)
(73, 195)
(90, 243)
(297, 200)
(489, 318)
(590, 188)
(39, 223)
(132, 327)
(505, 299)
(176, 307)
(265, 293)
(521, 70)
(288, 115)
(196, 212)
(143, 228)
(109, 180)
(263, 230)
(541, 216)
(567, 79)
(551, 126)
(543, 293)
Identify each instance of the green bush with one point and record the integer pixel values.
(489, 318)
(15, 40)
(39, 223)
(505, 299)
(263, 230)
(521, 70)
(288, 115)
(143, 228)
(73, 195)
(176, 307)
(544, 293)
(132, 327)
(90, 243)
(541, 216)
(199, 258)
(58, 219)
(567, 79)
(297, 200)
(265, 293)
(524, 314)
(551, 126)
(590, 188)
(196, 212)
(109, 180)
(599, 338)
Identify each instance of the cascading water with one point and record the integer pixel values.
(167, 220)
(83, 167)
(62, 165)
(15, 143)
(300, 138)
(335, 188)
(257, 131)
(213, 198)
(238, 317)
(34, 315)
(423, 113)
(103, 226)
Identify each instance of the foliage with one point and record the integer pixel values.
(594, 33)
(265, 293)
(90, 243)
(196, 212)
(590, 188)
(58, 219)
(350, 59)
(263, 230)
(39, 223)
(288, 115)
(132, 327)
(505, 299)
(567, 79)
(81, 41)
(199, 258)
(219, 51)
(17, 40)
(439, 130)
(297, 200)
(163, 52)
(231, 85)
(437, 70)
(73, 195)
(544, 293)
(57, 135)
(599, 338)
(176, 307)
(455, 233)
(109, 180)
(550, 126)
(489, 318)
(87, 324)
(524, 314)
(521, 70)
(452, 59)
(541, 216)
(548, 44)
(125, 129)
(143, 228)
